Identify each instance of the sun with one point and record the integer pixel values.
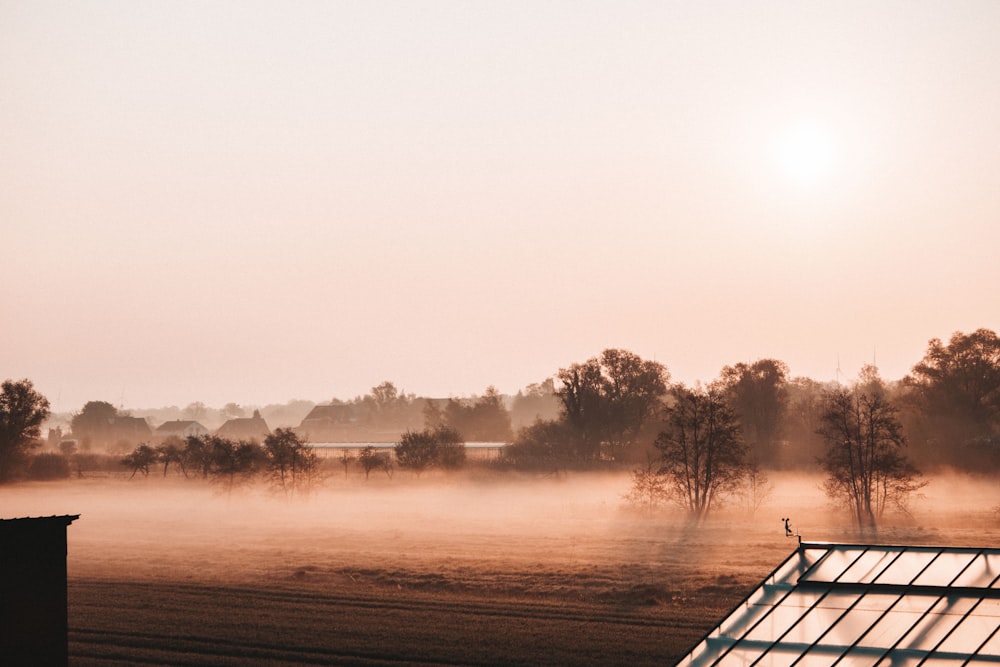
(806, 154)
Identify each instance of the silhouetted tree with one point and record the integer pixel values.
(756, 488)
(196, 411)
(198, 454)
(372, 459)
(758, 392)
(291, 463)
(22, 411)
(649, 487)
(346, 460)
(234, 461)
(416, 450)
(92, 425)
(534, 402)
(433, 415)
(957, 389)
(802, 423)
(385, 409)
(545, 445)
(864, 462)
(140, 459)
(701, 450)
(419, 450)
(450, 448)
(481, 419)
(609, 398)
(232, 411)
(171, 451)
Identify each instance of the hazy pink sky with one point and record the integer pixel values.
(260, 201)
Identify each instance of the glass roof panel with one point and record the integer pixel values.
(782, 655)
(833, 565)
(744, 657)
(776, 623)
(973, 631)
(868, 566)
(877, 601)
(746, 616)
(759, 604)
(894, 625)
(953, 661)
(991, 647)
(932, 628)
(981, 572)
(797, 564)
(847, 631)
(945, 568)
(819, 619)
(905, 569)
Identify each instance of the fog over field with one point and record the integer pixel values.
(470, 568)
(189, 529)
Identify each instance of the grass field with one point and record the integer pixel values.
(470, 570)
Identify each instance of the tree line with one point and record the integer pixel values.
(695, 445)
(283, 458)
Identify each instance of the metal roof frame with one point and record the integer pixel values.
(834, 604)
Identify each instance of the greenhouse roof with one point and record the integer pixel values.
(865, 605)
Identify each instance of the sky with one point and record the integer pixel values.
(254, 202)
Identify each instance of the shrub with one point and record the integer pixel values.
(48, 467)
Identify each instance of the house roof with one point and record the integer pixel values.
(337, 413)
(865, 604)
(178, 426)
(244, 427)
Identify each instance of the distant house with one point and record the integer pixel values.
(179, 428)
(131, 429)
(327, 422)
(245, 428)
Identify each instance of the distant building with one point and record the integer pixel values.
(33, 609)
(179, 428)
(131, 429)
(245, 428)
(327, 423)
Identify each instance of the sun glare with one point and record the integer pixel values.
(806, 154)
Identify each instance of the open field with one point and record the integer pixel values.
(470, 570)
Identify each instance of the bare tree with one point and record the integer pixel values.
(864, 462)
(756, 488)
(291, 462)
(372, 459)
(649, 487)
(140, 459)
(170, 451)
(346, 460)
(701, 451)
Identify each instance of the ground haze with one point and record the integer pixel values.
(430, 570)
